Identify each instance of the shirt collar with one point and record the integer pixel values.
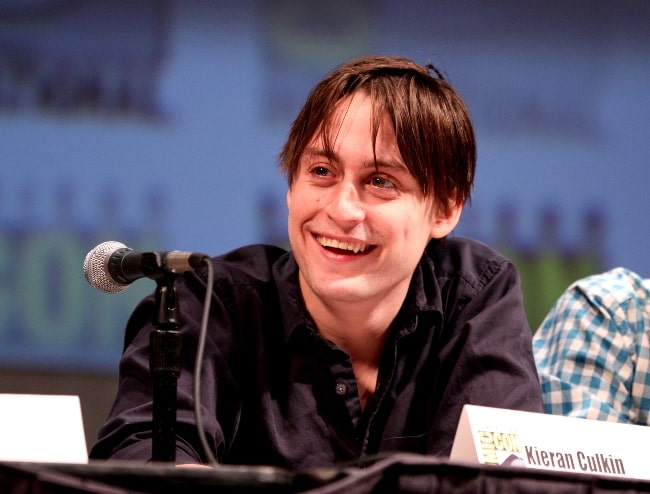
(294, 313)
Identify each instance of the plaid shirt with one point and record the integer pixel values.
(593, 352)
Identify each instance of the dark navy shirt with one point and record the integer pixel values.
(275, 392)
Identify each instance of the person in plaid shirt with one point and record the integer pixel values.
(592, 350)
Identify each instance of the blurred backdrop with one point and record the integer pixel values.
(158, 123)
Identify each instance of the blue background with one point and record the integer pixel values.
(158, 124)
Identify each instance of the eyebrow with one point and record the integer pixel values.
(334, 157)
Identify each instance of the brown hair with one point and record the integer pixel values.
(433, 127)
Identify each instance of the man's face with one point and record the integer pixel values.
(357, 230)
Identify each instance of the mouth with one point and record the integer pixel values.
(342, 247)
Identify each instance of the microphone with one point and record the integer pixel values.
(112, 266)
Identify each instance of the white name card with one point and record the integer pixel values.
(42, 428)
(551, 442)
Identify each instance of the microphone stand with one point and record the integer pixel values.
(165, 368)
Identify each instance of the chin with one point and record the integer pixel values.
(341, 293)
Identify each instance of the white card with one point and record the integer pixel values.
(42, 428)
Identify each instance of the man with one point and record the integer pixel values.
(375, 330)
(593, 351)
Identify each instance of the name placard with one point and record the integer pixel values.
(41, 428)
(551, 442)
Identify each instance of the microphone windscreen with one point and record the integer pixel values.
(96, 267)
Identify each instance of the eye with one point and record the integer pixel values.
(382, 182)
(321, 171)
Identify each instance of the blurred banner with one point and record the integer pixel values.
(158, 124)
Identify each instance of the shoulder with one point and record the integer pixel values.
(248, 269)
(246, 280)
(618, 284)
(614, 293)
(462, 275)
(469, 260)
(248, 263)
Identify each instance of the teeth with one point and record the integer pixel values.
(355, 247)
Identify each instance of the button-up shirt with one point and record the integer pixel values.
(593, 351)
(275, 392)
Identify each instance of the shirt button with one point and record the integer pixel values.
(340, 389)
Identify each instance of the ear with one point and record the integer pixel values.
(446, 220)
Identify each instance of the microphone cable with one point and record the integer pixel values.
(199, 360)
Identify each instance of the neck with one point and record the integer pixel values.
(360, 329)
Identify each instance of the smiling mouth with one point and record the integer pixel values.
(343, 247)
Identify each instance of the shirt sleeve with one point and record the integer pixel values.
(496, 367)
(485, 349)
(588, 347)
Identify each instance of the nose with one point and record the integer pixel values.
(345, 204)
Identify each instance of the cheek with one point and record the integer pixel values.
(416, 226)
(298, 209)
(302, 202)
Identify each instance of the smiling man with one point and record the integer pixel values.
(371, 334)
